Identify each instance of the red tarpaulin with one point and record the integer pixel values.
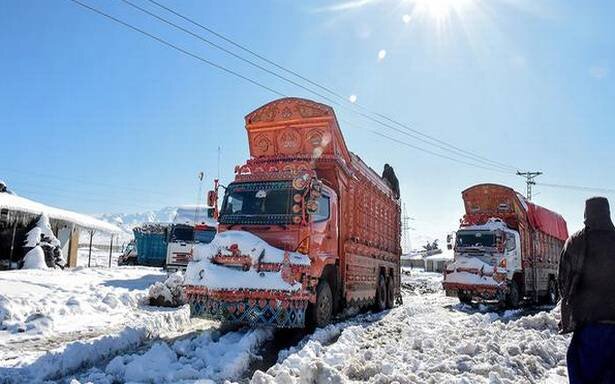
(547, 221)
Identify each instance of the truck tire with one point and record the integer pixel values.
(390, 292)
(464, 298)
(513, 296)
(320, 313)
(381, 294)
(552, 293)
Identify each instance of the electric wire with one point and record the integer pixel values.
(254, 82)
(442, 144)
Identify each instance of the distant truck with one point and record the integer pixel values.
(305, 229)
(192, 225)
(506, 249)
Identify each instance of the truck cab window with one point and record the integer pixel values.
(323, 211)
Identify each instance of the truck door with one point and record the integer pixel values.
(324, 237)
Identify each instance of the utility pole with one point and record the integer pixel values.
(405, 228)
(529, 181)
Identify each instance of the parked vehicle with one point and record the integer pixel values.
(506, 248)
(305, 229)
(151, 241)
(129, 255)
(192, 225)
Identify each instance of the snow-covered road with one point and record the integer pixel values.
(429, 339)
(54, 323)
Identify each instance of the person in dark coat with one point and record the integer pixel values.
(587, 287)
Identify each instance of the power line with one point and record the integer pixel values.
(578, 188)
(177, 48)
(261, 85)
(439, 143)
(437, 154)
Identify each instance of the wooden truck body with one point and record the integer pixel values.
(303, 212)
(506, 248)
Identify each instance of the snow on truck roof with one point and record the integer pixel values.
(18, 203)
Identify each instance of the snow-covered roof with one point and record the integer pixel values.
(194, 215)
(18, 203)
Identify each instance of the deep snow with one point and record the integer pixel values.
(431, 338)
(54, 322)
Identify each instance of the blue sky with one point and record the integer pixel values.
(96, 118)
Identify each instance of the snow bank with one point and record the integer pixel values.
(167, 294)
(35, 259)
(424, 341)
(201, 271)
(207, 357)
(74, 356)
(55, 322)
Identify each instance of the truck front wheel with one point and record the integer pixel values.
(513, 298)
(320, 313)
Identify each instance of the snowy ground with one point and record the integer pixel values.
(429, 339)
(55, 322)
(99, 257)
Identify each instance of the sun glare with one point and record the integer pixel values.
(440, 11)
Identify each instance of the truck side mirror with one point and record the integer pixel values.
(212, 198)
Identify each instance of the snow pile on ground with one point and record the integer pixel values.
(427, 341)
(43, 248)
(208, 357)
(35, 259)
(167, 294)
(201, 271)
(54, 322)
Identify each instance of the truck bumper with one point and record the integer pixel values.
(252, 308)
(172, 268)
(480, 292)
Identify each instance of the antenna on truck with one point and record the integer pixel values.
(529, 181)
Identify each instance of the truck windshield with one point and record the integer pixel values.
(257, 203)
(204, 236)
(182, 233)
(475, 239)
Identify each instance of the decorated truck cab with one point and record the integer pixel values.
(506, 248)
(305, 229)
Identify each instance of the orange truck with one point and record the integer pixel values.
(506, 249)
(306, 229)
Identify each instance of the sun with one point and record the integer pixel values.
(439, 11)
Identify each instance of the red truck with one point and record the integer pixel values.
(306, 229)
(506, 248)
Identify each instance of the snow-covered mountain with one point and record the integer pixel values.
(128, 221)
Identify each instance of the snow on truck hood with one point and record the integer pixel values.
(202, 271)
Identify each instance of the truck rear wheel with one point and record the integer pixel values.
(513, 297)
(464, 298)
(381, 294)
(552, 293)
(390, 292)
(320, 313)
